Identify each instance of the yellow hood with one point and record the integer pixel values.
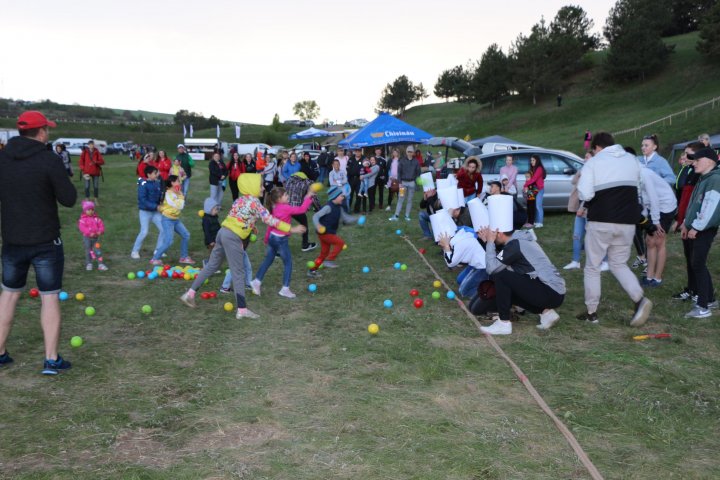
(249, 184)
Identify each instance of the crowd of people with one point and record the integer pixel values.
(619, 200)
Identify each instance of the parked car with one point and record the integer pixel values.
(357, 123)
(560, 167)
(295, 123)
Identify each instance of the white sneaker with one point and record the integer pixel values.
(102, 267)
(538, 225)
(394, 218)
(387, 209)
(135, 255)
(188, 300)
(604, 267)
(255, 285)
(548, 319)
(572, 265)
(245, 313)
(88, 267)
(286, 292)
(499, 327)
(642, 312)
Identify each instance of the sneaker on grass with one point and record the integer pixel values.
(5, 359)
(642, 312)
(286, 292)
(88, 267)
(187, 260)
(330, 264)
(588, 317)
(188, 300)
(314, 274)
(572, 265)
(698, 312)
(394, 218)
(255, 285)
(245, 313)
(686, 294)
(548, 319)
(638, 261)
(309, 246)
(135, 255)
(53, 367)
(499, 327)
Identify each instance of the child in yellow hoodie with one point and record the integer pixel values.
(238, 226)
(171, 207)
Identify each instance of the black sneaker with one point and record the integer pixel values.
(53, 367)
(588, 317)
(5, 358)
(686, 294)
(314, 274)
(309, 246)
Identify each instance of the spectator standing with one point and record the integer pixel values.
(33, 239)
(393, 182)
(297, 188)
(381, 178)
(309, 167)
(701, 226)
(587, 138)
(218, 172)
(660, 203)
(323, 162)
(91, 163)
(469, 178)
(61, 150)
(408, 172)
(235, 167)
(651, 159)
(511, 171)
(354, 169)
(187, 163)
(163, 164)
(537, 180)
(608, 187)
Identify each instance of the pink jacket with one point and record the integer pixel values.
(536, 179)
(91, 226)
(284, 212)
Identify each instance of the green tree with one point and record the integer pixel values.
(491, 77)
(636, 49)
(275, 125)
(531, 72)
(709, 43)
(570, 39)
(444, 86)
(454, 82)
(398, 95)
(686, 16)
(307, 109)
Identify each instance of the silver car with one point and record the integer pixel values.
(560, 167)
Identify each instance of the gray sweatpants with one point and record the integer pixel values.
(230, 246)
(408, 197)
(615, 241)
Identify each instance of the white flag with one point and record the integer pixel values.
(191, 130)
(217, 130)
(184, 131)
(237, 132)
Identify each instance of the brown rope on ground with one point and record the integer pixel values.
(594, 472)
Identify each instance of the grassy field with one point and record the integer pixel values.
(590, 104)
(306, 393)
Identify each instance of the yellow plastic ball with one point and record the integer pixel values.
(321, 229)
(201, 213)
(373, 329)
(345, 246)
(316, 187)
(187, 276)
(228, 307)
(437, 284)
(80, 297)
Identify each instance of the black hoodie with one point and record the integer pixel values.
(32, 181)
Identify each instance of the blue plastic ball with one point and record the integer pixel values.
(312, 287)
(152, 276)
(388, 303)
(398, 232)
(397, 266)
(450, 294)
(63, 296)
(361, 220)
(366, 269)
(140, 274)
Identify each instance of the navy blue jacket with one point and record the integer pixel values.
(149, 194)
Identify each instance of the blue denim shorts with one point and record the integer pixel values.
(47, 259)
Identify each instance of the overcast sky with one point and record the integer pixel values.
(246, 61)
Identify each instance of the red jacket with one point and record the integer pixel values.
(536, 179)
(91, 164)
(235, 169)
(141, 168)
(468, 182)
(164, 167)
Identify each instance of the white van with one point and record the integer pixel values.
(6, 134)
(203, 148)
(251, 148)
(502, 147)
(74, 146)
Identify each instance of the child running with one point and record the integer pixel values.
(327, 222)
(149, 197)
(237, 227)
(171, 209)
(91, 226)
(277, 241)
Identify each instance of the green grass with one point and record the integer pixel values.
(306, 393)
(589, 103)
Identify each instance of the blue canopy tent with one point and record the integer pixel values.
(383, 130)
(311, 133)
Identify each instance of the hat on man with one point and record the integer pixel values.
(33, 119)
(334, 192)
(704, 153)
(180, 145)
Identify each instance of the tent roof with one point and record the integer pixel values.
(495, 139)
(311, 133)
(383, 130)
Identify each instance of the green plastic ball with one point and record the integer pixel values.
(90, 311)
(146, 309)
(76, 341)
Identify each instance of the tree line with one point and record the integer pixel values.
(542, 61)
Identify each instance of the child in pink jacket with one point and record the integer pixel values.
(277, 241)
(91, 226)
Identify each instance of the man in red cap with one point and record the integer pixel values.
(32, 182)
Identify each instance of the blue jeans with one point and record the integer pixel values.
(227, 281)
(469, 280)
(323, 174)
(539, 206)
(424, 220)
(277, 244)
(185, 186)
(95, 185)
(146, 217)
(578, 237)
(216, 193)
(170, 226)
(47, 259)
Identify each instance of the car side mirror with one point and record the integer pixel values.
(569, 171)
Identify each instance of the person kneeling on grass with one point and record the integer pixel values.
(463, 248)
(523, 276)
(327, 222)
(237, 227)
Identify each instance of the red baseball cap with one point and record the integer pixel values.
(33, 119)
